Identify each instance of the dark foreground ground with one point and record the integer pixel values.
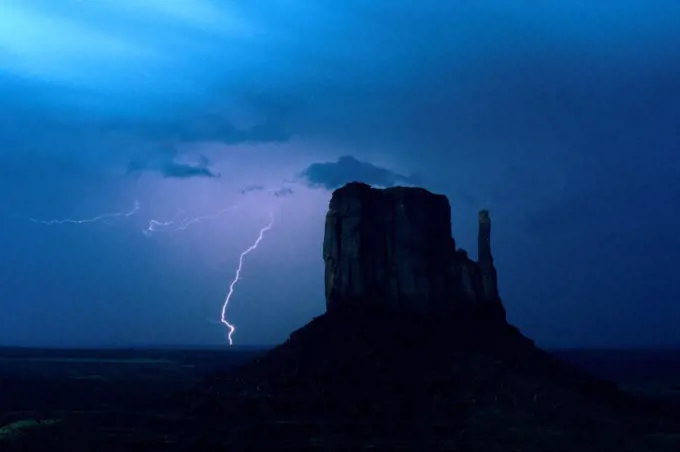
(41, 389)
(112, 389)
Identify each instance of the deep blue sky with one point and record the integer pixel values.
(561, 117)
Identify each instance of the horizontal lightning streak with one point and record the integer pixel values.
(88, 220)
(155, 225)
(175, 225)
(237, 277)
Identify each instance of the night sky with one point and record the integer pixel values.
(561, 117)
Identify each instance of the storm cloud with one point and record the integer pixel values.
(166, 164)
(251, 188)
(331, 175)
(284, 192)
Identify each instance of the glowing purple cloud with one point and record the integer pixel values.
(237, 276)
(88, 220)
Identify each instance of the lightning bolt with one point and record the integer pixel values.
(175, 225)
(159, 226)
(237, 277)
(88, 220)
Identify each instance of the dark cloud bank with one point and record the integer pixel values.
(167, 165)
(331, 175)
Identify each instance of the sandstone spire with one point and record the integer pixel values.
(485, 259)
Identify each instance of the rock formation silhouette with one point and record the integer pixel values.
(393, 248)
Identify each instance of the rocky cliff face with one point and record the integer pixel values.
(393, 248)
